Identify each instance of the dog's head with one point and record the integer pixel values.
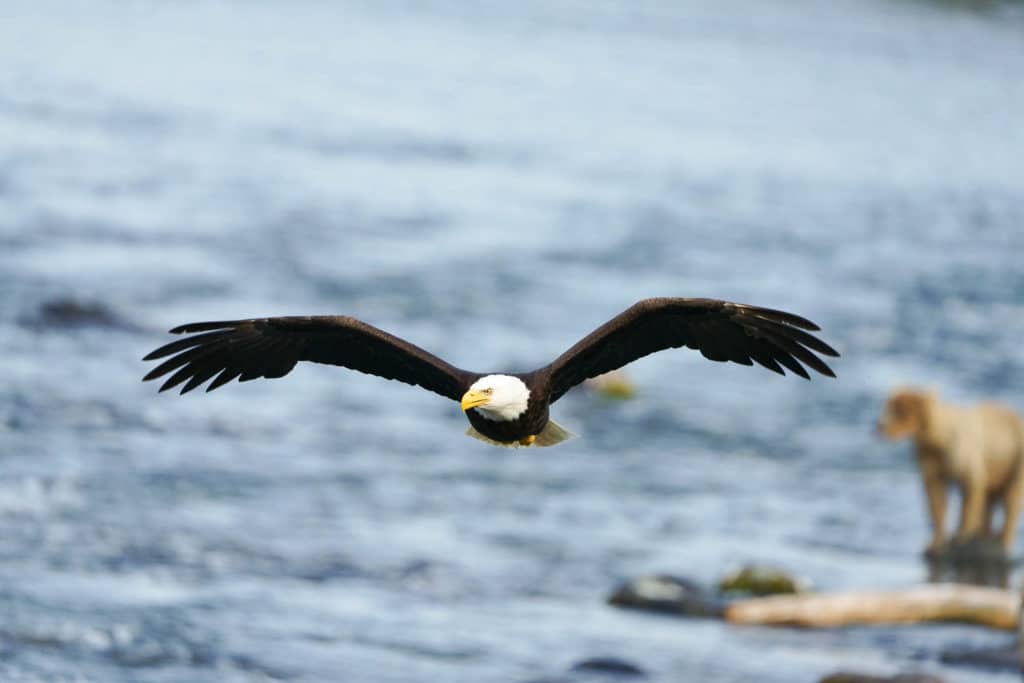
(905, 413)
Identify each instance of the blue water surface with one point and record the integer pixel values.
(491, 181)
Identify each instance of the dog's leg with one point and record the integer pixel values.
(991, 501)
(1014, 495)
(935, 490)
(1011, 509)
(973, 492)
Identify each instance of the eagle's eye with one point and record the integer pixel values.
(488, 391)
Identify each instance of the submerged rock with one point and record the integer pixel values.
(69, 313)
(978, 549)
(611, 666)
(845, 677)
(982, 562)
(760, 580)
(668, 594)
(596, 669)
(1005, 657)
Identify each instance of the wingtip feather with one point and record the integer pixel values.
(787, 318)
(204, 326)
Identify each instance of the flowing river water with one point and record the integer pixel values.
(491, 181)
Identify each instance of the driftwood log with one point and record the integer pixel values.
(993, 607)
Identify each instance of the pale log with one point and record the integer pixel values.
(992, 607)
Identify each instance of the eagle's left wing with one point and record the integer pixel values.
(720, 330)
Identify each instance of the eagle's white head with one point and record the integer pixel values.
(497, 397)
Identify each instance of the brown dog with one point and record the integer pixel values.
(979, 448)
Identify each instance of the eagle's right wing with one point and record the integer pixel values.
(270, 347)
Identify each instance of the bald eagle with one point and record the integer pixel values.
(506, 409)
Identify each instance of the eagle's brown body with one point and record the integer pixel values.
(530, 423)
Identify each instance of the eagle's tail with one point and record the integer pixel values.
(553, 433)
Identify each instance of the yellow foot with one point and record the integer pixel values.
(528, 440)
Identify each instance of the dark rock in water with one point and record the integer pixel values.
(66, 313)
(845, 677)
(759, 580)
(596, 669)
(610, 666)
(668, 594)
(978, 549)
(981, 562)
(1005, 657)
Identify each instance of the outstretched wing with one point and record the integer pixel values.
(720, 330)
(270, 347)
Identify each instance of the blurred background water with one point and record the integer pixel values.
(490, 181)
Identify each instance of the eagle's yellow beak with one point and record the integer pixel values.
(472, 399)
